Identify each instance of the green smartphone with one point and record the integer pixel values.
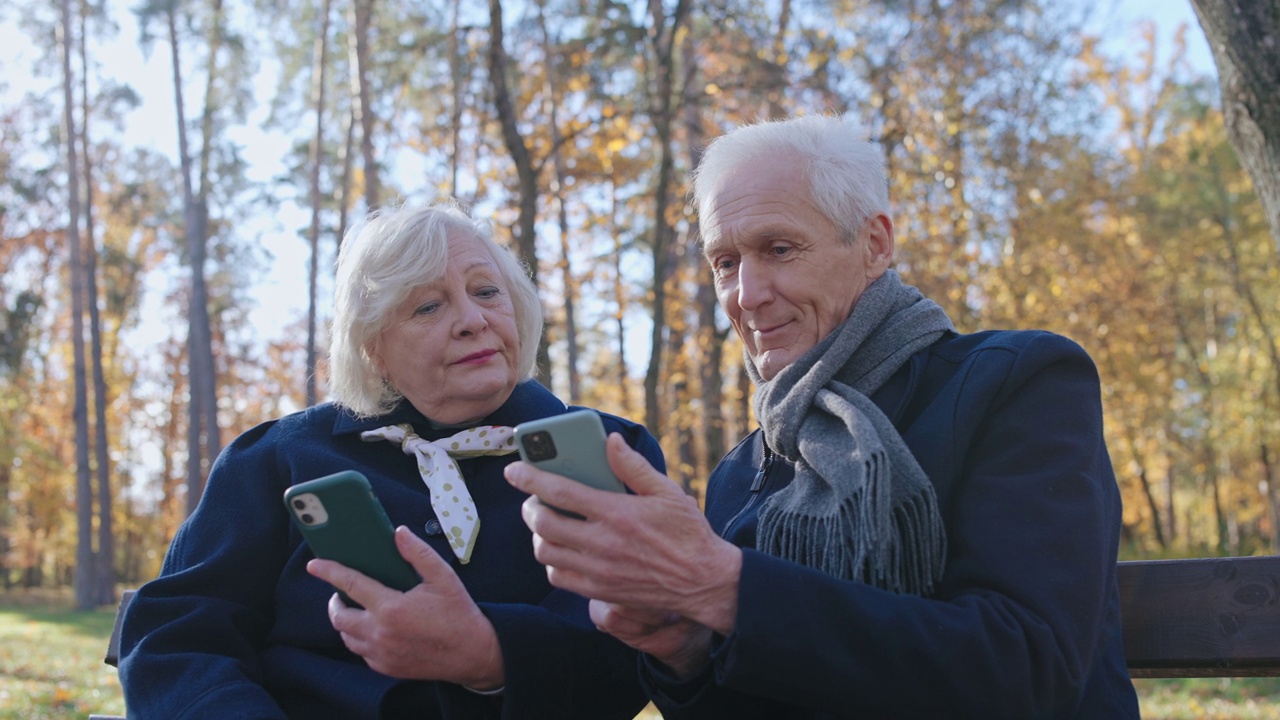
(341, 519)
(571, 445)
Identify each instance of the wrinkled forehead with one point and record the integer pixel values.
(467, 249)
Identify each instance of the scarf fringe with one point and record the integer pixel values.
(907, 556)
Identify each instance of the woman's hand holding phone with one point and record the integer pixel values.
(434, 631)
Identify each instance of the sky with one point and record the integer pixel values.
(281, 293)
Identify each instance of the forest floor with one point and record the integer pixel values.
(51, 669)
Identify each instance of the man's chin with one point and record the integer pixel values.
(771, 363)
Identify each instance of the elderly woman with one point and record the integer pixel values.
(434, 334)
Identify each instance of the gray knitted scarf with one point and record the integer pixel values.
(860, 507)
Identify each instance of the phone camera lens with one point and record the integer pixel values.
(308, 518)
(539, 446)
(299, 504)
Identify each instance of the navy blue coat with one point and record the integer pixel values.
(1025, 622)
(234, 626)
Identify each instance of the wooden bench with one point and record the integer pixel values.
(1202, 617)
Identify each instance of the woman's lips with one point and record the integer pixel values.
(477, 358)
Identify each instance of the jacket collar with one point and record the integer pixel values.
(528, 400)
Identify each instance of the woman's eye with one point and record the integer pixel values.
(488, 292)
(427, 308)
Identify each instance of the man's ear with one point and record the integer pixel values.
(879, 231)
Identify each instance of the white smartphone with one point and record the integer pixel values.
(572, 445)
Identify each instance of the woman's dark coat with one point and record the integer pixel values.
(235, 627)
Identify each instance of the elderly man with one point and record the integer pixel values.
(924, 526)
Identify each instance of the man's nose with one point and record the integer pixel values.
(754, 286)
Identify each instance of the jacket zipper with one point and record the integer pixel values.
(757, 484)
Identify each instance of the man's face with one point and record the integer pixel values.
(783, 274)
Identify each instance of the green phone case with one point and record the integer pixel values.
(341, 519)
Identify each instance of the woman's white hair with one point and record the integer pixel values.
(392, 253)
(846, 172)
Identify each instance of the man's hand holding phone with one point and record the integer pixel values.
(651, 549)
(572, 445)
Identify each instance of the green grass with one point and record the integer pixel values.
(1210, 699)
(51, 659)
(51, 669)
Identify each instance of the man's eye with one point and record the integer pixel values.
(725, 264)
(780, 249)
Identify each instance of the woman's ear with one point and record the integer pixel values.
(879, 232)
(374, 352)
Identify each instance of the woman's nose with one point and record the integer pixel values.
(471, 319)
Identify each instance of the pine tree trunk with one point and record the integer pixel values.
(202, 427)
(318, 74)
(526, 235)
(372, 183)
(105, 574)
(662, 39)
(562, 214)
(84, 572)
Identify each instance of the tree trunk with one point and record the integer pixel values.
(525, 232)
(84, 573)
(320, 62)
(1244, 37)
(209, 378)
(1206, 446)
(619, 297)
(372, 183)
(455, 87)
(710, 343)
(202, 426)
(1269, 495)
(551, 98)
(778, 92)
(662, 39)
(105, 575)
(344, 184)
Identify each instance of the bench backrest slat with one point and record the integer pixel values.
(1202, 617)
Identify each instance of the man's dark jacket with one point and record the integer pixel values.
(1025, 622)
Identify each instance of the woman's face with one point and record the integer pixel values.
(451, 348)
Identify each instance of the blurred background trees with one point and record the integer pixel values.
(1038, 181)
